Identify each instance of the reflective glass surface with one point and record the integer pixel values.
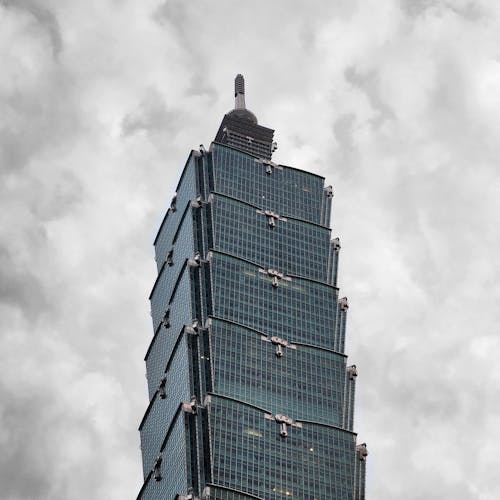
(291, 245)
(186, 191)
(286, 190)
(217, 493)
(165, 338)
(349, 403)
(161, 410)
(173, 466)
(182, 249)
(268, 274)
(340, 325)
(248, 453)
(305, 382)
(298, 310)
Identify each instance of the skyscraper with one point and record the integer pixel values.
(251, 396)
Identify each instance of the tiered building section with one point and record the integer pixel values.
(251, 395)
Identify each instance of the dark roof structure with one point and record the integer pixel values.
(240, 129)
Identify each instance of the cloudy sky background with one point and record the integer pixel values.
(396, 103)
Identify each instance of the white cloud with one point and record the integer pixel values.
(396, 103)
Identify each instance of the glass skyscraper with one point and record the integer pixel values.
(251, 395)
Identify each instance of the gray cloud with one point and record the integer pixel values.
(44, 16)
(20, 287)
(23, 473)
(470, 10)
(151, 116)
(176, 16)
(368, 83)
(396, 103)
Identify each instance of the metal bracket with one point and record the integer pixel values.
(161, 387)
(279, 343)
(157, 468)
(166, 318)
(191, 407)
(344, 304)
(271, 216)
(173, 203)
(269, 165)
(187, 496)
(194, 328)
(170, 258)
(195, 261)
(362, 452)
(197, 202)
(336, 244)
(275, 275)
(284, 421)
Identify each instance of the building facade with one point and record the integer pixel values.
(251, 395)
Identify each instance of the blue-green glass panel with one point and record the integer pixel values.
(359, 479)
(186, 192)
(157, 421)
(165, 338)
(349, 403)
(286, 190)
(182, 249)
(218, 493)
(173, 467)
(306, 382)
(340, 326)
(298, 310)
(248, 454)
(294, 246)
(333, 263)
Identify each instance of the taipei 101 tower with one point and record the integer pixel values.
(250, 392)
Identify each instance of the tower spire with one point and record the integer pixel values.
(240, 129)
(240, 110)
(239, 92)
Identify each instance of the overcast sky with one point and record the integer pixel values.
(395, 102)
